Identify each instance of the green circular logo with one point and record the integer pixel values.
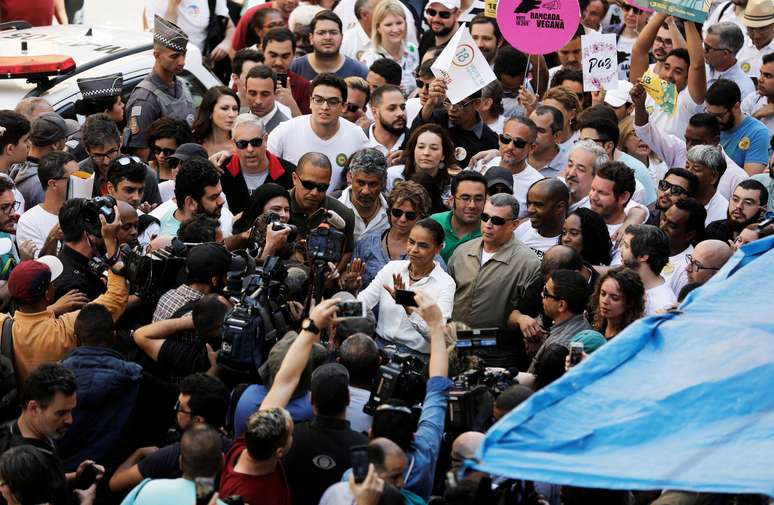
(341, 159)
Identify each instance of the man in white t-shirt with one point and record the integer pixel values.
(758, 20)
(708, 164)
(645, 249)
(721, 45)
(193, 17)
(760, 104)
(685, 71)
(322, 131)
(683, 223)
(547, 202)
(611, 189)
(37, 223)
(357, 36)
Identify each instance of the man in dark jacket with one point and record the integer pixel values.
(252, 165)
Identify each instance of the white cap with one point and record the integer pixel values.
(54, 264)
(449, 4)
(618, 97)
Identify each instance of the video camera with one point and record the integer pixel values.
(152, 275)
(402, 378)
(92, 209)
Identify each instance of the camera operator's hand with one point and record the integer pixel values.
(296, 310)
(352, 278)
(275, 239)
(27, 249)
(70, 301)
(370, 491)
(110, 232)
(324, 313)
(427, 309)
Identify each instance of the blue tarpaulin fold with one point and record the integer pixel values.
(676, 401)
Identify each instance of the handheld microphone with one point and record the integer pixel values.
(336, 220)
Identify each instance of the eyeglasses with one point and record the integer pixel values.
(461, 105)
(324, 33)
(163, 150)
(101, 156)
(332, 101)
(546, 294)
(6, 208)
(421, 84)
(125, 160)
(309, 186)
(518, 143)
(708, 49)
(441, 14)
(466, 199)
(351, 107)
(674, 189)
(496, 220)
(398, 213)
(177, 408)
(694, 265)
(242, 144)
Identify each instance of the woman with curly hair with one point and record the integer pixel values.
(217, 113)
(585, 231)
(619, 300)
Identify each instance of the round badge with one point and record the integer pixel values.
(341, 159)
(668, 268)
(536, 27)
(745, 67)
(744, 144)
(323, 462)
(460, 153)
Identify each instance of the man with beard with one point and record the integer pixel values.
(760, 105)
(463, 222)
(677, 184)
(611, 190)
(162, 93)
(326, 37)
(279, 46)
(746, 206)
(684, 225)
(664, 42)
(569, 54)
(645, 249)
(388, 133)
(368, 176)
(708, 257)
(8, 219)
(441, 17)
(486, 34)
(547, 202)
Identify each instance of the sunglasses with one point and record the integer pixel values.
(398, 213)
(461, 105)
(443, 14)
(309, 186)
(256, 142)
(352, 107)
(496, 220)
(125, 160)
(165, 150)
(506, 139)
(664, 185)
(421, 84)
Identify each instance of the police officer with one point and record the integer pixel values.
(161, 93)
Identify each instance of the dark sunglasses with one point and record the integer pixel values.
(496, 220)
(433, 13)
(256, 142)
(309, 186)
(421, 84)
(676, 190)
(167, 151)
(173, 162)
(398, 213)
(506, 139)
(352, 107)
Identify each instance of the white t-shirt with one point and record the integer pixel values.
(295, 137)
(752, 103)
(35, 225)
(521, 183)
(676, 123)
(659, 298)
(485, 256)
(750, 58)
(717, 208)
(355, 42)
(531, 238)
(615, 252)
(674, 272)
(413, 106)
(193, 16)
(253, 181)
(167, 190)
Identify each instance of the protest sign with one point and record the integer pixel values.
(490, 8)
(600, 61)
(692, 10)
(538, 27)
(663, 93)
(462, 65)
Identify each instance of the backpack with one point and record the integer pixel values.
(9, 394)
(248, 336)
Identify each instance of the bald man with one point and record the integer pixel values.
(129, 230)
(547, 203)
(708, 257)
(465, 447)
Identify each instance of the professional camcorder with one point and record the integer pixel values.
(402, 378)
(92, 209)
(152, 275)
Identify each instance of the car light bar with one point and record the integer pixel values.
(15, 67)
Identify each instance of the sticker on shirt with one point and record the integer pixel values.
(460, 153)
(341, 159)
(745, 67)
(668, 268)
(323, 462)
(744, 144)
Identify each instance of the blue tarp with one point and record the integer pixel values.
(674, 402)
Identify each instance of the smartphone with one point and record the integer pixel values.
(282, 80)
(87, 478)
(349, 309)
(405, 297)
(359, 459)
(576, 350)
(205, 488)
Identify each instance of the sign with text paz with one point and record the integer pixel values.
(692, 10)
(462, 65)
(600, 61)
(538, 26)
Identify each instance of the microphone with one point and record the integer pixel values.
(296, 280)
(336, 220)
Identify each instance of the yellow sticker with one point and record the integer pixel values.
(341, 159)
(745, 67)
(668, 268)
(744, 144)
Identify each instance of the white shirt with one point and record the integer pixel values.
(674, 272)
(293, 138)
(167, 190)
(193, 16)
(409, 63)
(717, 208)
(377, 224)
(676, 123)
(346, 12)
(729, 14)
(750, 58)
(521, 183)
(413, 106)
(498, 124)
(358, 420)
(355, 42)
(752, 103)
(381, 147)
(659, 298)
(734, 74)
(252, 181)
(615, 252)
(163, 211)
(35, 225)
(531, 238)
(394, 322)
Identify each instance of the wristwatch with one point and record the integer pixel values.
(308, 325)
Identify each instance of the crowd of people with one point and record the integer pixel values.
(546, 217)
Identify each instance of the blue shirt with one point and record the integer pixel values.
(747, 143)
(300, 408)
(641, 174)
(369, 249)
(350, 67)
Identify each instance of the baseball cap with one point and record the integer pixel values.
(210, 260)
(620, 96)
(330, 388)
(591, 340)
(499, 175)
(190, 150)
(47, 129)
(449, 4)
(30, 279)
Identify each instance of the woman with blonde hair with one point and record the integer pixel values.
(389, 40)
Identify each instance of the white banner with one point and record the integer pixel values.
(600, 61)
(462, 65)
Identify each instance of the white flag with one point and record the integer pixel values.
(463, 66)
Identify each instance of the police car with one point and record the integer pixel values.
(46, 61)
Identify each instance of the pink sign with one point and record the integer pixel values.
(538, 26)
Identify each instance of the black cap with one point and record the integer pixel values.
(499, 175)
(330, 389)
(209, 260)
(190, 150)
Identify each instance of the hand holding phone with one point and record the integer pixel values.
(87, 477)
(405, 298)
(359, 459)
(576, 353)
